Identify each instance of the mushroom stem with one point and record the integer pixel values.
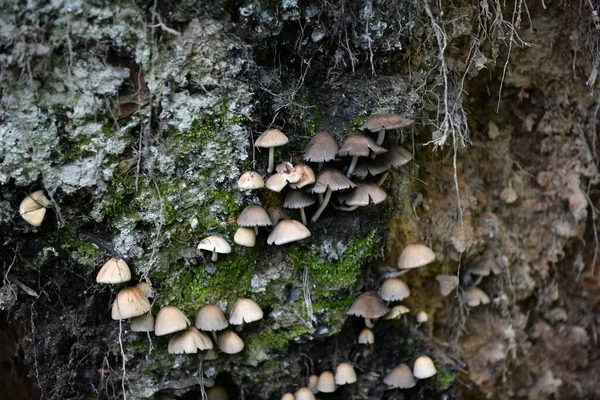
(214, 335)
(352, 166)
(370, 323)
(271, 160)
(382, 179)
(320, 196)
(320, 167)
(215, 256)
(323, 205)
(256, 230)
(347, 208)
(380, 137)
(238, 328)
(303, 215)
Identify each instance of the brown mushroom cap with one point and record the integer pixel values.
(145, 289)
(251, 180)
(276, 214)
(333, 179)
(245, 311)
(254, 216)
(287, 396)
(371, 167)
(394, 289)
(114, 270)
(277, 182)
(170, 319)
(366, 336)
(322, 147)
(415, 255)
(326, 382)
(271, 138)
(298, 199)
(33, 208)
(287, 231)
(210, 318)
(377, 122)
(424, 368)
(364, 194)
(359, 145)
(304, 394)
(368, 305)
(245, 237)
(229, 342)
(307, 176)
(396, 157)
(130, 302)
(345, 374)
(400, 377)
(189, 342)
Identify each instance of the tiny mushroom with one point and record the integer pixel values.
(270, 139)
(364, 194)
(276, 214)
(287, 231)
(277, 182)
(396, 157)
(304, 394)
(189, 342)
(254, 216)
(251, 180)
(142, 323)
(396, 312)
(366, 336)
(130, 302)
(216, 244)
(359, 145)
(210, 318)
(287, 396)
(33, 208)
(415, 255)
(345, 374)
(382, 122)
(321, 148)
(114, 270)
(297, 199)
(307, 176)
(368, 306)
(170, 319)
(210, 354)
(312, 383)
(245, 237)
(145, 289)
(245, 311)
(424, 368)
(447, 283)
(229, 342)
(422, 317)
(475, 297)
(326, 382)
(394, 289)
(329, 180)
(400, 377)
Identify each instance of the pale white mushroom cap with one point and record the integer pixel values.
(287, 396)
(251, 180)
(143, 323)
(277, 182)
(245, 237)
(447, 283)
(424, 368)
(33, 208)
(189, 342)
(312, 383)
(366, 336)
(287, 231)
(215, 243)
(170, 319)
(254, 216)
(130, 302)
(304, 394)
(145, 289)
(245, 311)
(368, 305)
(345, 374)
(229, 342)
(400, 377)
(114, 270)
(415, 255)
(422, 317)
(211, 318)
(475, 297)
(271, 138)
(394, 289)
(326, 382)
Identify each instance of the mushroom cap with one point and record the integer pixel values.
(287, 231)
(422, 317)
(322, 147)
(400, 377)
(364, 194)
(415, 255)
(345, 374)
(333, 179)
(480, 267)
(276, 214)
(304, 394)
(298, 199)
(326, 382)
(130, 302)
(245, 311)
(312, 383)
(251, 180)
(215, 243)
(447, 283)
(377, 122)
(229, 342)
(424, 368)
(114, 270)
(396, 312)
(366, 336)
(142, 323)
(475, 297)
(254, 216)
(271, 138)
(396, 157)
(359, 145)
(210, 354)
(394, 289)
(277, 182)
(287, 396)
(245, 237)
(189, 342)
(145, 289)
(307, 176)
(368, 305)
(370, 167)
(170, 319)
(33, 208)
(210, 318)
(217, 393)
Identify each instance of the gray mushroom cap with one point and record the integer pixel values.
(368, 305)
(377, 122)
(359, 145)
(333, 179)
(298, 199)
(364, 194)
(254, 216)
(322, 147)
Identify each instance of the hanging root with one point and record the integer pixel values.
(123, 366)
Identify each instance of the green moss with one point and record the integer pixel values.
(269, 340)
(444, 378)
(356, 123)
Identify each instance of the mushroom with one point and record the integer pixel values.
(371, 167)
(210, 354)
(394, 289)
(254, 216)
(130, 302)
(364, 194)
(217, 393)
(329, 180)
(321, 148)
(33, 208)
(422, 317)
(287, 396)
(245, 311)
(304, 394)
(369, 306)
(170, 319)
(114, 270)
(447, 283)
(142, 323)
(277, 182)
(189, 342)
(396, 312)
(415, 255)
(382, 122)
(400, 377)
(366, 336)
(424, 368)
(210, 318)
(229, 342)
(276, 214)
(345, 374)
(297, 199)
(396, 157)
(287, 231)
(245, 237)
(270, 139)
(359, 145)
(307, 176)
(216, 244)
(251, 180)
(145, 289)
(475, 297)
(326, 382)
(312, 383)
